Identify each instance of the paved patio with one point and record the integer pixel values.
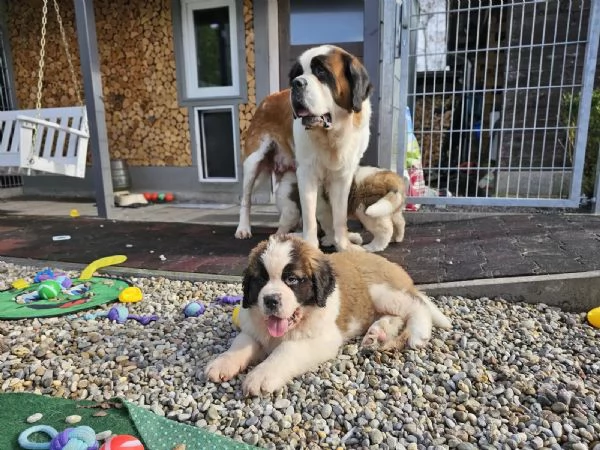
(199, 239)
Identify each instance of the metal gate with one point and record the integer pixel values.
(499, 93)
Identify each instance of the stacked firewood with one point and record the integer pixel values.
(146, 126)
(246, 110)
(431, 121)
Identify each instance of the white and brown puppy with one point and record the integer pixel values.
(330, 100)
(376, 200)
(301, 305)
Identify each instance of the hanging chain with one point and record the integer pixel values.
(74, 78)
(38, 103)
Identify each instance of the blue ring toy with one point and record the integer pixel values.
(25, 443)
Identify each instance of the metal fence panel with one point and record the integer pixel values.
(500, 93)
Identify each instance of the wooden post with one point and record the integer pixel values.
(92, 87)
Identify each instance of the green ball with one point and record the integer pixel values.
(49, 289)
(161, 197)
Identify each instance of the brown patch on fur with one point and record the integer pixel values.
(373, 188)
(356, 271)
(307, 257)
(255, 254)
(336, 65)
(273, 118)
(356, 307)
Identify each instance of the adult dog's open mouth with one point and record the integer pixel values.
(310, 120)
(278, 326)
(313, 121)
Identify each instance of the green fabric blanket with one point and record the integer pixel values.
(156, 432)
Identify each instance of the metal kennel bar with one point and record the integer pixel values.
(499, 92)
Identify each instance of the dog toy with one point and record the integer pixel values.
(44, 274)
(122, 442)
(87, 273)
(64, 281)
(20, 284)
(194, 309)
(49, 289)
(229, 299)
(79, 438)
(120, 314)
(131, 294)
(593, 317)
(235, 316)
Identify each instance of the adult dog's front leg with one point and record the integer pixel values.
(308, 190)
(290, 359)
(243, 351)
(339, 189)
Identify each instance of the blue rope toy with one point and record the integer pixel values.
(78, 438)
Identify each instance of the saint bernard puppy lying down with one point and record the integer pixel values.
(300, 305)
(376, 200)
(320, 128)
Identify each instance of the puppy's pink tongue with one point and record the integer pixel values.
(276, 326)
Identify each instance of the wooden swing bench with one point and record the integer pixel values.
(60, 145)
(53, 140)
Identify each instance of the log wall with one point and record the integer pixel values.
(246, 110)
(146, 126)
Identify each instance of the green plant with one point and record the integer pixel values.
(571, 102)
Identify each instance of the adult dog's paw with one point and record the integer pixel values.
(243, 232)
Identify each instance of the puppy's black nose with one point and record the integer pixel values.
(299, 83)
(272, 301)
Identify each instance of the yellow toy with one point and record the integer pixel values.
(87, 273)
(20, 284)
(593, 317)
(235, 316)
(131, 294)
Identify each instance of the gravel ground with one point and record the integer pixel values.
(507, 376)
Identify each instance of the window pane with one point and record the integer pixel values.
(218, 153)
(213, 47)
(324, 22)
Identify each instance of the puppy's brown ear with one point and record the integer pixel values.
(253, 278)
(249, 296)
(323, 281)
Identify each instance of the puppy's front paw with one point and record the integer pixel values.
(355, 238)
(223, 368)
(262, 381)
(373, 248)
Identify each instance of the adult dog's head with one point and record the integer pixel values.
(326, 83)
(285, 280)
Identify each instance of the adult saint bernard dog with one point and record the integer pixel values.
(320, 128)
(300, 305)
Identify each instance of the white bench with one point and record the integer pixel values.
(61, 142)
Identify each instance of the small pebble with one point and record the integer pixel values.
(72, 420)
(103, 435)
(282, 403)
(34, 417)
